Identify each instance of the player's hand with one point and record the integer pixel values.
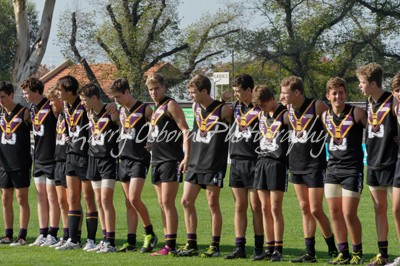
(183, 166)
(111, 108)
(226, 96)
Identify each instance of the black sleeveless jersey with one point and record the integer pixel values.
(381, 132)
(307, 147)
(209, 146)
(61, 134)
(134, 132)
(166, 137)
(242, 142)
(344, 141)
(103, 135)
(398, 125)
(274, 136)
(44, 131)
(15, 145)
(77, 127)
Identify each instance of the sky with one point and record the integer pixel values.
(189, 11)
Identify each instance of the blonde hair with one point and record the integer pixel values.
(156, 78)
(395, 84)
(51, 92)
(372, 72)
(334, 83)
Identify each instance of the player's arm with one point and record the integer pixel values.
(27, 117)
(320, 107)
(360, 116)
(115, 117)
(148, 112)
(111, 108)
(286, 118)
(323, 119)
(227, 113)
(176, 113)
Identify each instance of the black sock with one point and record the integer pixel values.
(310, 245)
(383, 248)
(279, 246)
(149, 230)
(192, 240)
(65, 233)
(215, 241)
(170, 241)
(132, 239)
(22, 233)
(74, 216)
(111, 238)
(258, 241)
(344, 248)
(91, 225)
(330, 242)
(9, 232)
(270, 246)
(53, 231)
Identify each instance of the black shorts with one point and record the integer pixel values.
(382, 177)
(76, 165)
(15, 179)
(271, 175)
(102, 168)
(46, 170)
(241, 174)
(207, 179)
(129, 168)
(396, 179)
(349, 181)
(311, 180)
(59, 174)
(166, 172)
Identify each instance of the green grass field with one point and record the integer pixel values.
(293, 238)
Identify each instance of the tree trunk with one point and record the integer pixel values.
(28, 59)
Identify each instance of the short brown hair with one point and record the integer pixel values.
(52, 92)
(261, 94)
(372, 72)
(294, 83)
(156, 78)
(33, 84)
(90, 90)
(201, 82)
(395, 84)
(120, 85)
(334, 83)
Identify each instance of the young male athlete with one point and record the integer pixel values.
(381, 149)
(44, 131)
(135, 161)
(15, 163)
(242, 150)
(102, 162)
(207, 164)
(76, 166)
(395, 85)
(307, 163)
(60, 155)
(344, 174)
(271, 175)
(170, 153)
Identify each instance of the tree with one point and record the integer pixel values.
(138, 34)
(8, 28)
(28, 56)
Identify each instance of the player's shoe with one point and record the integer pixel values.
(304, 259)
(149, 243)
(50, 240)
(341, 259)
(68, 245)
(378, 260)
(92, 247)
(357, 258)
(211, 251)
(166, 250)
(127, 248)
(5, 241)
(396, 262)
(186, 251)
(276, 256)
(59, 243)
(39, 241)
(237, 253)
(107, 248)
(18, 242)
(259, 254)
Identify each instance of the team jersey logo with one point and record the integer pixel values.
(73, 119)
(375, 119)
(60, 129)
(338, 133)
(243, 121)
(205, 124)
(97, 128)
(38, 116)
(158, 113)
(299, 124)
(269, 131)
(9, 127)
(128, 122)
